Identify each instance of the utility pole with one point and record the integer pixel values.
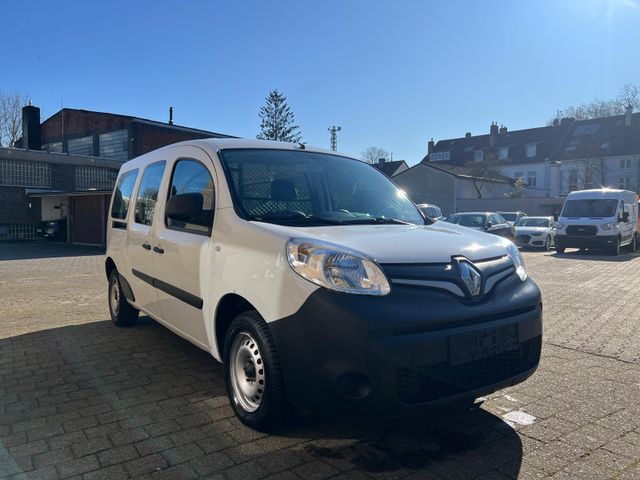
(333, 130)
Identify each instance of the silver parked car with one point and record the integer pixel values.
(539, 232)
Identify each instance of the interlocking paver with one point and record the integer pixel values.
(79, 397)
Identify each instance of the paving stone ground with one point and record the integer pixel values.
(80, 398)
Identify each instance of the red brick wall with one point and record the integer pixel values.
(80, 123)
(150, 137)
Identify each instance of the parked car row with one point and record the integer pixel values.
(598, 218)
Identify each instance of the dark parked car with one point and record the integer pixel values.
(485, 221)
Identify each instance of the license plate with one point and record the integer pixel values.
(472, 346)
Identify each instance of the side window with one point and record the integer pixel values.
(191, 176)
(122, 194)
(148, 192)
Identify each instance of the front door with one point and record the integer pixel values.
(182, 267)
(141, 240)
(87, 220)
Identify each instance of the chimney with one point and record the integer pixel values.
(31, 134)
(627, 115)
(382, 160)
(503, 129)
(493, 134)
(467, 135)
(430, 146)
(170, 115)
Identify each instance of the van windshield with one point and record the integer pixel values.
(594, 208)
(291, 187)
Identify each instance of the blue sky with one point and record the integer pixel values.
(393, 74)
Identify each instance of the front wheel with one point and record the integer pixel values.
(560, 249)
(547, 244)
(122, 314)
(615, 250)
(252, 374)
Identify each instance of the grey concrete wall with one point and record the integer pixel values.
(531, 206)
(427, 185)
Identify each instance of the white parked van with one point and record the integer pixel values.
(316, 281)
(602, 218)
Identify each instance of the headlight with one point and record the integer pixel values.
(608, 226)
(536, 234)
(517, 260)
(336, 268)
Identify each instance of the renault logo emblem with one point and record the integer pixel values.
(471, 278)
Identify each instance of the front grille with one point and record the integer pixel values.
(523, 238)
(432, 382)
(582, 230)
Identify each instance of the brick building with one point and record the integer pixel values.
(64, 168)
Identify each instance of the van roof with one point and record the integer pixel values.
(600, 193)
(226, 143)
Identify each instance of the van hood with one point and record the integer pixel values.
(435, 243)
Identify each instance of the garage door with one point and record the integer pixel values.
(87, 220)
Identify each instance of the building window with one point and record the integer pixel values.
(55, 147)
(624, 183)
(531, 150)
(81, 146)
(532, 179)
(18, 173)
(440, 156)
(113, 145)
(446, 156)
(478, 155)
(625, 163)
(94, 177)
(573, 180)
(503, 153)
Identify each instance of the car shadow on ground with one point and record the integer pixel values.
(599, 255)
(45, 249)
(91, 391)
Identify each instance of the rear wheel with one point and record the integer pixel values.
(252, 374)
(122, 313)
(547, 244)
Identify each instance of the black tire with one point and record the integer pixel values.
(547, 244)
(273, 411)
(122, 313)
(560, 249)
(615, 250)
(633, 246)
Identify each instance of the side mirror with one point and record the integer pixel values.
(625, 216)
(488, 225)
(184, 207)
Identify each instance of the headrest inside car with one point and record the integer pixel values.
(283, 190)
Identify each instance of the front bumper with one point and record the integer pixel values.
(360, 355)
(528, 240)
(591, 241)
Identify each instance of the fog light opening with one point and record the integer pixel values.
(355, 385)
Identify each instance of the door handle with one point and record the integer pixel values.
(158, 250)
(146, 246)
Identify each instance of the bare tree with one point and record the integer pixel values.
(487, 169)
(629, 96)
(598, 108)
(373, 154)
(11, 117)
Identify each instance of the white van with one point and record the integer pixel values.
(601, 218)
(315, 281)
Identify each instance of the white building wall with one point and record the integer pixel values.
(540, 170)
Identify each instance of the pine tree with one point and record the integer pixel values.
(277, 120)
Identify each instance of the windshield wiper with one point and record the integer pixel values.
(375, 221)
(296, 219)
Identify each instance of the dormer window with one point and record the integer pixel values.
(503, 153)
(531, 150)
(478, 155)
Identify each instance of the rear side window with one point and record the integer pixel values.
(122, 194)
(148, 192)
(191, 176)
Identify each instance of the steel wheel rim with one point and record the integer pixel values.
(247, 373)
(114, 297)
